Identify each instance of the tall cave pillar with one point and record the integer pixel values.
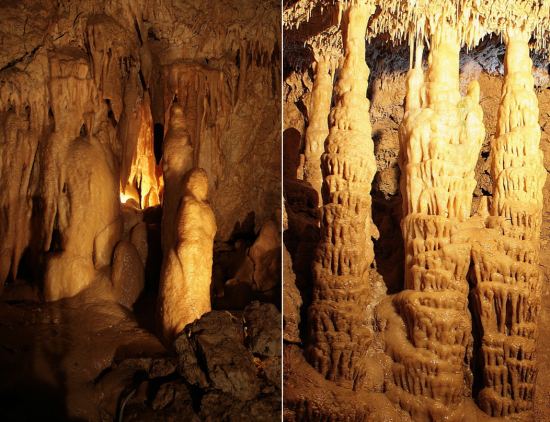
(441, 136)
(339, 331)
(508, 282)
(317, 130)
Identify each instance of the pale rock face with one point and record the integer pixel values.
(138, 237)
(186, 276)
(111, 70)
(458, 343)
(338, 333)
(87, 239)
(177, 160)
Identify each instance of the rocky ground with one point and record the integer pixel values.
(86, 358)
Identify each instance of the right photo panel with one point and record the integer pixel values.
(416, 218)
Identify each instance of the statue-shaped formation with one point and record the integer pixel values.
(508, 285)
(184, 294)
(339, 331)
(177, 160)
(440, 137)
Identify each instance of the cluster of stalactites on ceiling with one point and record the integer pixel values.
(410, 20)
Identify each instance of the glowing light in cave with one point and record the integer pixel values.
(127, 196)
(145, 183)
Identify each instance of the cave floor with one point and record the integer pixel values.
(53, 356)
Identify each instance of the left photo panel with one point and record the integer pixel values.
(140, 214)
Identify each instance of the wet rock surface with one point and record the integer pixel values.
(86, 358)
(221, 371)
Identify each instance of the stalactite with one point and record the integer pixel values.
(143, 178)
(508, 283)
(440, 137)
(24, 123)
(317, 129)
(339, 331)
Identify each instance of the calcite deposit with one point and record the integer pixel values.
(111, 233)
(444, 325)
(317, 129)
(184, 290)
(508, 280)
(338, 335)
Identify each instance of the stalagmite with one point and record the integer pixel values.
(177, 160)
(184, 294)
(508, 281)
(317, 130)
(440, 136)
(99, 99)
(339, 333)
(457, 339)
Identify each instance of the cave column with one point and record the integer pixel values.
(317, 129)
(508, 283)
(339, 331)
(440, 138)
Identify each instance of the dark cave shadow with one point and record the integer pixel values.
(144, 309)
(303, 215)
(33, 382)
(229, 258)
(476, 364)
(389, 249)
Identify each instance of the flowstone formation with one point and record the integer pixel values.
(317, 129)
(177, 160)
(458, 199)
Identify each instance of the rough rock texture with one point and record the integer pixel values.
(104, 107)
(308, 396)
(57, 357)
(337, 317)
(292, 301)
(86, 358)
(317, 129)
(128, 275)
(249, 273)
(221, 371)
(440, 139)
(506, 260)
